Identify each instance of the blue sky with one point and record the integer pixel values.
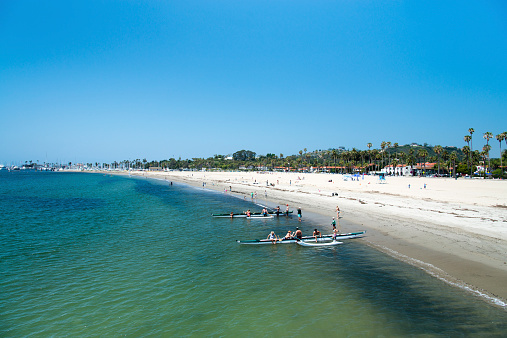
(88, 81)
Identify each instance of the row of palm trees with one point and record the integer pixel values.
(344, 161)
(485, 149)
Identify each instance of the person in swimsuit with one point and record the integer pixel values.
(335, 232)
(272, 237)
(288, 235)
(287, 210)
(316, 233)
(278, 211)
(232, 214)
(299, 214)
(333, 223)
(298, 234)
(248, 213)
(264, 212)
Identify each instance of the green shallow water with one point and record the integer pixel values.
(97, 255)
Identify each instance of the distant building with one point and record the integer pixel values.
(155, 169)
(410, 170)
(399, 170)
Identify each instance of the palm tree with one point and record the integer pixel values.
(363, 155)
(471, 131)
(353, 156)
(423, 153)
(383, 147)
(485, 155)
(395, 164)
(334, 154)
(438, 150)
(466, 152)
(453, 158)
(411, 155)
(377, 157)
(388, 146)
(487, 135)
(476, 156)
(403, 157)
(505, 138)
(468, 139)
(369, 145)
(342, 164)
(500, 137)
(395, 146)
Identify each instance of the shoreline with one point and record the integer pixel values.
(454, 230)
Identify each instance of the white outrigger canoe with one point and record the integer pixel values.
(260, 217)
(309, 243)
(243, 215)
(323, 239)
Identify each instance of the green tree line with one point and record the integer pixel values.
(449, 160)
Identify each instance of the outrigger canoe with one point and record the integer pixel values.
(260, 217)
(242, 215)
(309, 243)
(323, 239)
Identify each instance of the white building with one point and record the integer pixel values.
(399, 170)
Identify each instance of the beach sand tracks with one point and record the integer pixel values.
(457, 212)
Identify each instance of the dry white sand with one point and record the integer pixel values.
(454, 229)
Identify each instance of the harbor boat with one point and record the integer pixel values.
(243, 215)
(323, 239)
(309, 243)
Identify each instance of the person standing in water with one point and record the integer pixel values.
(337, 226)
(335, 232)
(300, 215)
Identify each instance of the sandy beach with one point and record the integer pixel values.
(455, 230)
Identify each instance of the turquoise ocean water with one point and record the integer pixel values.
(101, 255)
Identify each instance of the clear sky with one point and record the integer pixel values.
(98, 81)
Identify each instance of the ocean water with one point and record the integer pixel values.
(100, 255)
